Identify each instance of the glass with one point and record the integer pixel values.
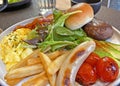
(45, 6)
(3, 4)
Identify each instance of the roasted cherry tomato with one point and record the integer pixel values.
(86, 75)
(92, 59)
(107, 69)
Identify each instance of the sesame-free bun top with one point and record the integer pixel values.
(78, 20)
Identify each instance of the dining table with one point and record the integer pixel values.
(30, 10)
(9, 18)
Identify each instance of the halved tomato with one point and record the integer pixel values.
(86, 74)
(92, 59)
(107, 69)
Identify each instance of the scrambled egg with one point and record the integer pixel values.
(11, 47)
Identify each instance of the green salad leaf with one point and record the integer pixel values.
(61, 20)
(71, 36)
(54, 45)
(64, 31)
(33, 34)
(57, 14)
(61, 37)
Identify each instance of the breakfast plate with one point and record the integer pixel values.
(50, 42)
(114, 39)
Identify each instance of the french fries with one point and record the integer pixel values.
(55, 54)
(37, 80)
(41, 68)
(24, 71)
(33, 61)
(46, 62)
(13, 82)
(56, 64)
(22, 63)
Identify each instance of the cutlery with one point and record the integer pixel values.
(46, 6)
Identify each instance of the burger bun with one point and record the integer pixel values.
(78, 20)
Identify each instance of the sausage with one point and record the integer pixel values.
(68, 70)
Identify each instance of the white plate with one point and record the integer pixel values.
(114, 39)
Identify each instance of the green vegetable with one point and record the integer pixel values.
(104, 49)
(72, 35)
(116, 46)
(13, 1)
(33, 34)
(64, 31)
(57, 14)
(61, 37)
(54, 45)
(61, 20)
(111, 50)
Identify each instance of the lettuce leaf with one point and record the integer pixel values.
(61, 37)
(33, 34)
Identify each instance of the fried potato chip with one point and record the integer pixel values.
(55, 54)
(13, 82)
(33, 61)
(56, 64)
(23, 63)
(24, 71)
(43, 81)
(46, 62)
(37, 80)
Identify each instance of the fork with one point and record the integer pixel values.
(46, 6)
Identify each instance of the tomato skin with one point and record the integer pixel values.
(92, 59)
(86, 74)
(107, 69)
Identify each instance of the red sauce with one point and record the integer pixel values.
(35, 22)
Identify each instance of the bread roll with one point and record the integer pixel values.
(78, 20)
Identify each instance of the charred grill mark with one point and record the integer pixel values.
(66, 79)
(76, 55)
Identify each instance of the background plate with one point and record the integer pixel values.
(17, 5)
